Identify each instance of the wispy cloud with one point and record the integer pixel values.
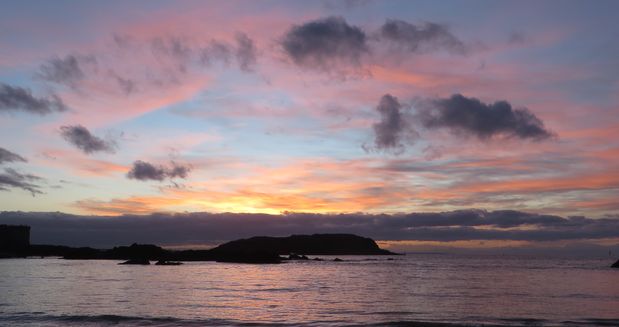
(66, 71)
(15, 98)
(8, 156)
(404, 36)
(246, 52)
(13, 179)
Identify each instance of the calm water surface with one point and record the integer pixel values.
(409, 290)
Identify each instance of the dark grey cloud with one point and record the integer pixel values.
(185, 54)
(81, 138)
(178, 170)
(470, 116)
(67, 71)
(144, 171)
(331, 44)
(245, 52)
(127, 85)
(174, 48)
(216, 51)
(420, 38)
(123, 41)
(75, 68)
(202, 227)
(13, 179)
(14, 98)
(458, 114)
(344, 4)
(325, 43)
(8, 156)
(393, 129)
(517, 38)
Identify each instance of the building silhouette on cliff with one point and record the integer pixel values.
(14, 238)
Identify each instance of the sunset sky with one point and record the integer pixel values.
(324, 107)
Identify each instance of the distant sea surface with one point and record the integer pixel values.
(411, 290)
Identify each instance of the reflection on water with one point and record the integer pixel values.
(361, 290)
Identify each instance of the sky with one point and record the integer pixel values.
(366, 116)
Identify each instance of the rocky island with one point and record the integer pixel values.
(316, 244)
(260, 249)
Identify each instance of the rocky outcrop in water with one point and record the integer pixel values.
(168, 263)
(615, 265)
(140, 261)
(261, 249)
(294, 256)
(316, 244)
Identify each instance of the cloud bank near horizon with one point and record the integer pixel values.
(202, 227)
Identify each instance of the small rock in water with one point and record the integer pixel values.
(337, 259)
(136, 262)
(615, 265)
(294, 256)
(168, 263)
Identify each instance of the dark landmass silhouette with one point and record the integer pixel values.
(316, 244)
(261, 249)
(615, 265)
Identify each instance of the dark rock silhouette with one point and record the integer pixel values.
(260, 249)
(316, 244)
(338, 260)
(142, 261)
(135, 251)
(264, 249)
(294, 256)
(84, 253)
(244, 256)
(147, 251)
(49, 250)
(615, 265)
(168, 263)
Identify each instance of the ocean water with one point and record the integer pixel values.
(411, 290)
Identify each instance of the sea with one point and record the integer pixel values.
(409, 290)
